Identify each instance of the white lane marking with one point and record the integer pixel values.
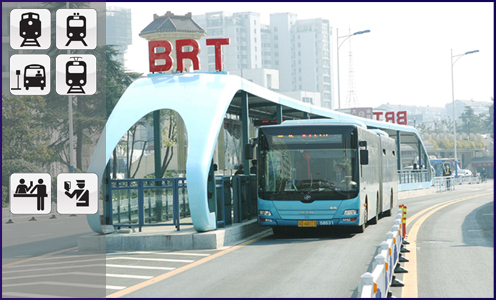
(54, 268)
(28, 295)
(185, 254)
(140, 267)
(94, 286)
(152, 259)
(54, 263)
(114, 287)
(54, 274)
(129, 276)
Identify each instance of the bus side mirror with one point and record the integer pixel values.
(364, 157)
(248, 151)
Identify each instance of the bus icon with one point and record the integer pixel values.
(34, 76)
(29, 74)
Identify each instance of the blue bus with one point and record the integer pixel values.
(298, 183)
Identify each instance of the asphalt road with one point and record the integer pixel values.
(454, 258)
(329, 264)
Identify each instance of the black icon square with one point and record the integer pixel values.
(76, 29)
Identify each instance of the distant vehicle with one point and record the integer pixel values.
(464, 173)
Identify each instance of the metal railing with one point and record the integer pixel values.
(148, 202)
(413, 176)
(164, 202)
(444, 183)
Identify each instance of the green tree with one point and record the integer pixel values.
(471, 122)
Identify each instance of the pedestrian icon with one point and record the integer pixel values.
(30, 29)
(76, 74)
(32, 199)
(30, 74)
(76, 29)
(77, 193)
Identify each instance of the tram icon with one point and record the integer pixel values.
(75, 71)
(30, 29)
(76, 29)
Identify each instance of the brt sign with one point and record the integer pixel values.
(160, 59)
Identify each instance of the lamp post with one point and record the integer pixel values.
(453, 99)
(339, 46)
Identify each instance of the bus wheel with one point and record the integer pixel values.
(361, 228)
(279, 230)
(389, 213)
(375, 219)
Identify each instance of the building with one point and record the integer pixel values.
(118, 26)
(299, 49)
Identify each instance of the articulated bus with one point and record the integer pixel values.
(298, 182)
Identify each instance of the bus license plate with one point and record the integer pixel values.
(307, 223)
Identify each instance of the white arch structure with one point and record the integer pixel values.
(202, 100)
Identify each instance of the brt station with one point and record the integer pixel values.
(215, 119)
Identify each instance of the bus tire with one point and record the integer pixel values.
(279, 230)
(375, 219)
(388, 213)
(361, 228)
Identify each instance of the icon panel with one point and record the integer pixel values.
(77, 193)
(30, 29)
(30, 74)
(30, 193)
(76, 74)
(76, 29)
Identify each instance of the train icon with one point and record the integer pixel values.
(30, 29)
(75, 71)
(76, 28)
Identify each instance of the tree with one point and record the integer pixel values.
(24, 139)
(471, 122)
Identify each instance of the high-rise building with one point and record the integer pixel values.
(243, 30)
(118, 25)
(299, 49)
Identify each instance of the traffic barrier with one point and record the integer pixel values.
(377, 284)
(444, 183)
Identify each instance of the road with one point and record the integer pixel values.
(453, 258)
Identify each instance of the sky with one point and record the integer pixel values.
(404, 60)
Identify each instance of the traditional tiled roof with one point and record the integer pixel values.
(172, 23)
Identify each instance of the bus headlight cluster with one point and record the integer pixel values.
(349, 212)
(265, 213)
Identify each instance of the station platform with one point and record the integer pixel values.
(168, 238)
(153, 238)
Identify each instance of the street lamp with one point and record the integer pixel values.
(337, 42)
(453, 99)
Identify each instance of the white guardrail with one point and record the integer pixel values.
(377, 284)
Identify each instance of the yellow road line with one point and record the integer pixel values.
(36, 257)
(410, 290)
(182, 269)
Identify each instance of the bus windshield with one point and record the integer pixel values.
(300, 161)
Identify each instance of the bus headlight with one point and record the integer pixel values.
(265, 213)
(350, 212)
(42, 81)
(27, 81)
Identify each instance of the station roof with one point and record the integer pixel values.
(170, 23)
